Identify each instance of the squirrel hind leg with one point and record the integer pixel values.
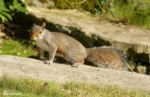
(75, 65)
(75, 60)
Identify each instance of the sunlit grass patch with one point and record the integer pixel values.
(16, 48)
(87, 90)
(38, 88)
(29, 88)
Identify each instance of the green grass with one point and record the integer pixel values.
(34, 88)
(28, 88)
(17, 48)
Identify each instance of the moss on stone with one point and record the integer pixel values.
(43, 1)
(87, 5)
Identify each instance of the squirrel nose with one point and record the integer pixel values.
(32, 38)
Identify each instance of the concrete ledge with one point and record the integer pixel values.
(31, 68)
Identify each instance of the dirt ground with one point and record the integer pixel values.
(32, 68)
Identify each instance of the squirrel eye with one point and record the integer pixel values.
(40, 32)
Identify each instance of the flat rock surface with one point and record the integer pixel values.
(31, 68)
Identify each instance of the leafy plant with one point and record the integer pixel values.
(9, 9)
(16, 6)
(4, 12)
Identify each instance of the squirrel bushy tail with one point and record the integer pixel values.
(106, 57)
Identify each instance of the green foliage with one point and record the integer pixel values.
(43, 1)
(135, 12)
(64, 4)
(16, 6)
(11, 8)
(87, 5)
(4, 12)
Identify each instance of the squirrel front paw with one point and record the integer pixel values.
(48, 62)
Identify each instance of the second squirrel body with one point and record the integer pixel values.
(73, 51)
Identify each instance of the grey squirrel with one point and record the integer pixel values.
(59, 44)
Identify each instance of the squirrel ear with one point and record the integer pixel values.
(43, 25)
(34, 24)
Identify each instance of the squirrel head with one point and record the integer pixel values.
(37, 32)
